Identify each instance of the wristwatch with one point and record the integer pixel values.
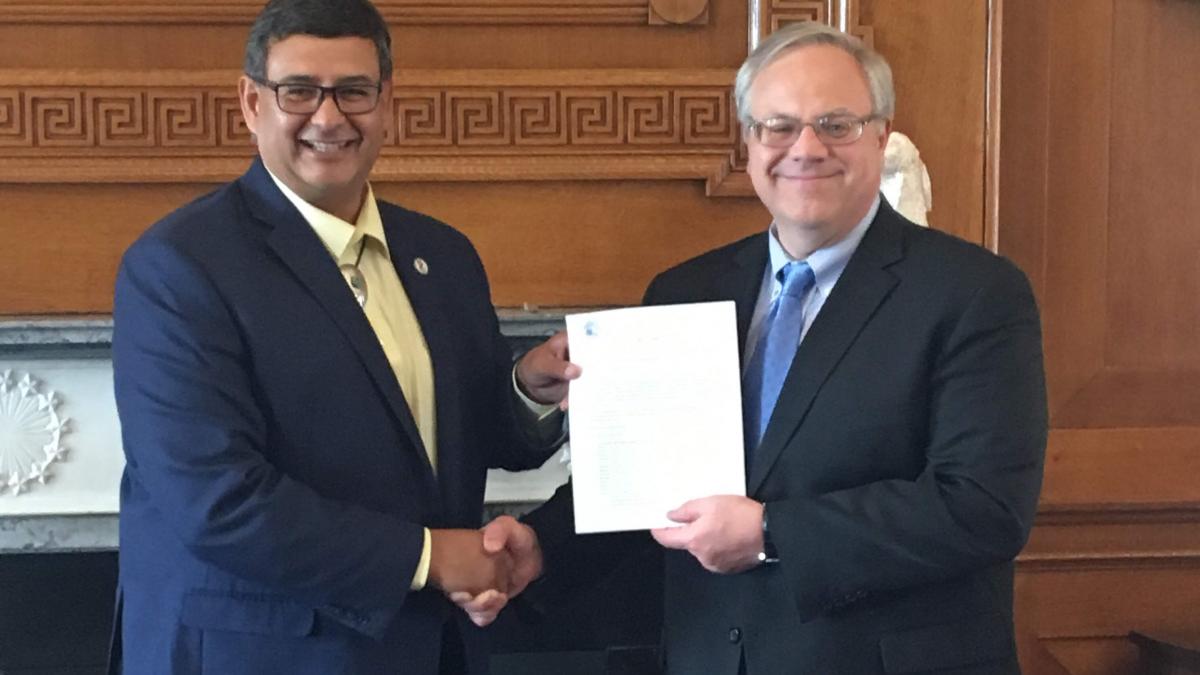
(767, 556)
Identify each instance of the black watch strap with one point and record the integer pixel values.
(769, 555)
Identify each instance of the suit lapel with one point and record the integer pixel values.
(424, 290)
(299, 247)
(863, 286)
(746, 281)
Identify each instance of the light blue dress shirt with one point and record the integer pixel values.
(827, 265)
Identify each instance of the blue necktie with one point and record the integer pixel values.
(775, 350)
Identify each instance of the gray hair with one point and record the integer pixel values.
(806, 33)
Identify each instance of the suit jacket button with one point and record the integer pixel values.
(735, 635)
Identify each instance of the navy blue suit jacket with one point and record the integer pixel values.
(276, 486)
(900, 472)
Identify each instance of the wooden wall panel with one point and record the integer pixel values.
(1131, 466)
(940, 92)
(1153, 313)
(511, 116)
(1091, 574)
(399, 12)
(426, 33)
(1098, 201)
(592, 243)
(62, 243)
(587, 243)
(1114, 269)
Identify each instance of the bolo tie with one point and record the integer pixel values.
(354, 276)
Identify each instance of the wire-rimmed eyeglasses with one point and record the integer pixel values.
(782, 131)
(302, 98)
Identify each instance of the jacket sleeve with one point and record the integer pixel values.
(574, 562)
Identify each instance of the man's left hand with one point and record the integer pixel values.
(545, 372)
(723, 532)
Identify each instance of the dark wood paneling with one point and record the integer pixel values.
(1077, 196)
(1153, 269)
(1098, 202)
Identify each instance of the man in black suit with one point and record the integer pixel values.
(894, 452)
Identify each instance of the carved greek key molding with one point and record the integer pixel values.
(161, 119)
(396, 12)
(566, 117)
(783, 12)
(101, 117)
(116, 126)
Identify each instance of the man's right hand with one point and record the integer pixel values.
(504, 536)
(459, 563)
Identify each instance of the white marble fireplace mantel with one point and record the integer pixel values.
(60, 452)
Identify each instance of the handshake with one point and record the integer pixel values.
(480, 570)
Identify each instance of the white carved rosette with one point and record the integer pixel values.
(31, 432)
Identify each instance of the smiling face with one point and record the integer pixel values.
(817, 193)
(324, 157)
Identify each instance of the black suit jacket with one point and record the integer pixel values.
(276, 485)
(900, 471)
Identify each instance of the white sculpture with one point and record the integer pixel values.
(905, 180)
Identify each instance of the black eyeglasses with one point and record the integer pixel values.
(782, 132)
(301, 98)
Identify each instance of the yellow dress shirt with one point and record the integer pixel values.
(390, 314)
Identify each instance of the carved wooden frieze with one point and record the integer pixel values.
(159, 121)
(121, 117)
(396, 12)
(565, 117)
(117, 126)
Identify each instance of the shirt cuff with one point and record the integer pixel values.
(542, 423)
(422, 573)
(539, 411)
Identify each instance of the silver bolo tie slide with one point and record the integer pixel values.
(358, 283)
(354, 276)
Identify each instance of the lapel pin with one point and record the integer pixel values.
(421, 266)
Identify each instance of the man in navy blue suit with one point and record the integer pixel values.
(311, 385)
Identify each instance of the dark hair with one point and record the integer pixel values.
(320, 18)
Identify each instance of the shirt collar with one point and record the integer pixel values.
(340, 237)
(826, 263)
